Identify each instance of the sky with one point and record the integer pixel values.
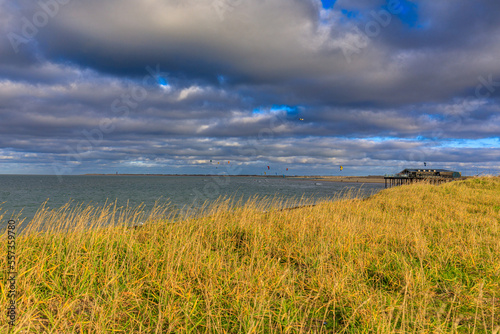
(234, 86)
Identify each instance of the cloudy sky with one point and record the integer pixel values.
(166, 86)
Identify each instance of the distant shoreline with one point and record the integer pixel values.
(349, 179)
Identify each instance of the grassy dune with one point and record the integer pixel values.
(417, 258)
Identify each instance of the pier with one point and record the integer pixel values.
(432, 176)
(391, 181)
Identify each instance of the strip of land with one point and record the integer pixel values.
(353, 179)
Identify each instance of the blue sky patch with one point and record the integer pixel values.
(436, 117)
(328, 4)
(162, 81)
(292, 112)
(277, 107)
(406, 10)
(493, 142)
(350, 14)
(259, 110)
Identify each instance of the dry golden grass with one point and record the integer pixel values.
(417, 258)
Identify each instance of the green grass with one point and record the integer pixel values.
(417, 258)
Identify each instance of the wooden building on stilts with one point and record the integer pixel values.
(433, 176)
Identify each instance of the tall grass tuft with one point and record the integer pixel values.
(417, 258)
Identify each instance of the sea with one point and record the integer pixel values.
(26, 193)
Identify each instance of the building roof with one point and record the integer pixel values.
(425, 170)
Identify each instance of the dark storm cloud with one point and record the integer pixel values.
(177, 83)
(194, 42)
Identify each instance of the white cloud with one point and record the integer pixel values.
(189, 92)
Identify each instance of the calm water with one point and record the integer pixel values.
(29, 192)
